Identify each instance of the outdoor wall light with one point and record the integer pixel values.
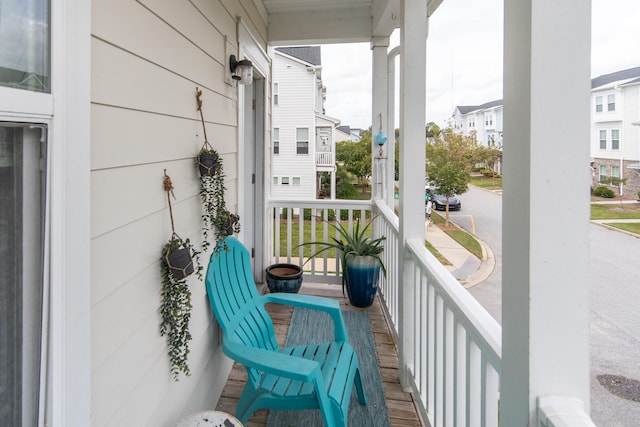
(242, 70)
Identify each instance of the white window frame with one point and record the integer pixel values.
(615, 173)
(284, 180)
(611, 106)
(601, 140)
(599, 105)
(276, 93)
(615, 142)
(602, 176)
(298, 141)
(276, 141)
(66, 393)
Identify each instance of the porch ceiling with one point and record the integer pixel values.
(293, 22)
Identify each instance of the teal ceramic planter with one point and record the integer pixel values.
(284, 278)
(363, 273)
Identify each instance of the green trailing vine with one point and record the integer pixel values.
(175, 308)
(216, 219)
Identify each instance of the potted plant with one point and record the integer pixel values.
(360, 261)
(178, 260)
(215, 215)
(208, 160)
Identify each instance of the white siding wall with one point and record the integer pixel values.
(148, 56)
(295, 109)
(630, 132)
(607, 120)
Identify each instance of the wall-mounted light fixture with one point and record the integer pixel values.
(242, 70)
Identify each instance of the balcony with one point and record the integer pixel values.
(324, 159)
(442, 347)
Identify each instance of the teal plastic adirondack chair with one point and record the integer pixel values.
(302, 377)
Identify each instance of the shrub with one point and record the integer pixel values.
(602, 191)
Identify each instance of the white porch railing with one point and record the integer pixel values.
(453, 363)
(324, 158)
(289, 232)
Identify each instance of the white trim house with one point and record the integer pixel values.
(484, 121)
(120, 110)
(304, 137)
(615, 130)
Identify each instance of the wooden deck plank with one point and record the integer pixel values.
(401, 406)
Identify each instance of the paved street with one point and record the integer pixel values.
(615, 292)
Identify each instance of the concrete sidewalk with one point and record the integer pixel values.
(465, 267)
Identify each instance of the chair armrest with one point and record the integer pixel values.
(272, 362)
(329, 306)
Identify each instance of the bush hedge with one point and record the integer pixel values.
(602, 191)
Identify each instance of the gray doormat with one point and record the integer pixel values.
(312, 326)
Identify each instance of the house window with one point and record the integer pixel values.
(598, 104)
(275, 94)
(285, 180)
(603, 139)
(615, 171)
(602, 172)
(611, 102)
(276, 140)
(25, 55)
(302, 140)
(615, 139)
(296, 180)
(21, 271)
(275, 180)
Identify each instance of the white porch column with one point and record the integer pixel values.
(413, 44)
(379, 97)
(545, 296)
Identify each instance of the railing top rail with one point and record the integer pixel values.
(387, 213)
(321, 204)
(489, 332)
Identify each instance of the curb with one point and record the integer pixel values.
(603, 225)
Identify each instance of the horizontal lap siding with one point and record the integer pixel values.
(148, 57)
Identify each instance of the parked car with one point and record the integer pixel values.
(440, 201)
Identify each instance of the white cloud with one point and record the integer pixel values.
(464, 58)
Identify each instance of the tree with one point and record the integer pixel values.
(488, 157)
(432, 130)
(356, 157)
(450, 158)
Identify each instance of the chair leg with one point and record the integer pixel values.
(244, 407)
(359, 388)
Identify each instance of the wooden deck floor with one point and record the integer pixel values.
(402, 410)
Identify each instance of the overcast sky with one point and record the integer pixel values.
(464, 58)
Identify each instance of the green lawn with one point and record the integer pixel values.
(614, 211)
(436, 253)
(488, 183)
(465, 239)
(630, 227)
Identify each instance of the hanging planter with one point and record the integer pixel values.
(209, 161)
(217, 221)
(179, 259)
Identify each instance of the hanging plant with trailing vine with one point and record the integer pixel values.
(215, 216)
(178, 260)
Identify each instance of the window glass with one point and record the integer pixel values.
(25, 45)
(603, 139)
(602, 169)
(275, 180)
(21, 272)
(615, 171)
(285, 180)
(296, 180)
(302, 141)
(611, 102)
(598, 104)
(615, 139)
(275, 94)
(276, 141)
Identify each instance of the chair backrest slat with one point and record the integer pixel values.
(235, 300)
